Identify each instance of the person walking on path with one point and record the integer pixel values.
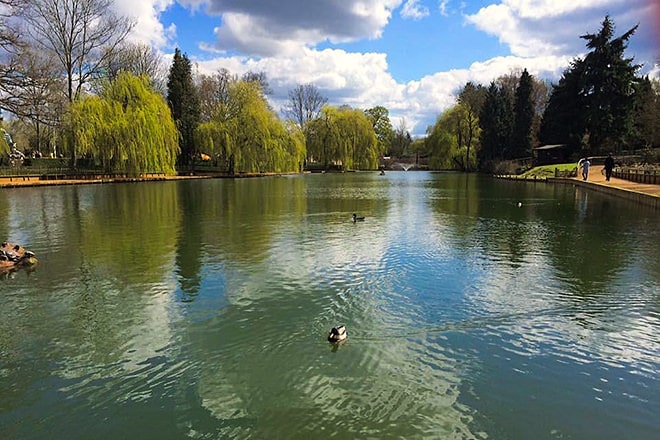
(584, 163)
(609, 166)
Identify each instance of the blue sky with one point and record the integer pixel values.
(410, 56)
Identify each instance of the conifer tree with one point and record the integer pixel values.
(521, 139)
(183, 100)
(609, 87)
(563, 119)
(496, 123)
(593, 105)
(647, 113)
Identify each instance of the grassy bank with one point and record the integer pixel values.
(545, 171)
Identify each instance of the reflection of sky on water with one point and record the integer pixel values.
(337, 271)
(458, 311)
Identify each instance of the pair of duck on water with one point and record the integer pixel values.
(14, 255)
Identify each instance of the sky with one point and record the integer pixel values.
(410, 56)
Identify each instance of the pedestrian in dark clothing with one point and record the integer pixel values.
(609, 166)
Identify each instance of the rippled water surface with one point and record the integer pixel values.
(199, 309)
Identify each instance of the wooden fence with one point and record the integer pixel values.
(639, 175)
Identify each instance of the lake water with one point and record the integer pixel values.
(200, 309)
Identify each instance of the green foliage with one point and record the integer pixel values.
(442, 147)
(521, 138)
(609, 86)
(183, 100)
(594, 103)
(545, 171)
(250, 137)
(343, 136)
(447, 143)
(563, 120)
(4, 145)
(401, 141)
(471, 100)
(380, 119)
(127, 130)
(647, 113)
(496, 122)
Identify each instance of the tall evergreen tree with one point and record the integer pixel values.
(496, 122)
(521, 139)
(647, 113)
(593, 106)
(564, 119)
(609, 85)
(183, 100)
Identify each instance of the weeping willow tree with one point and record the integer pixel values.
(128, 129)
(4, 142)
(449, 140)
(343, 136)
(245, 135)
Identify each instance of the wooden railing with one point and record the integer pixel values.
(639, 175)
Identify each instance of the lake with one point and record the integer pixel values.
(475, 308)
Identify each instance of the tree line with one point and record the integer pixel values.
(599, 105)
(77, 88)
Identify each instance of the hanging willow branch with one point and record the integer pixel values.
(129, 129)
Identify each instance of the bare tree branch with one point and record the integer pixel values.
(305, 104)
(81, 34)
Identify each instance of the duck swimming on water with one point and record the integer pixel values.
(337, 334)
(357, 219)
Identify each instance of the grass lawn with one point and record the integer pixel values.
(545, 171)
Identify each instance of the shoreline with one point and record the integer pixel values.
(644, 193)
(34, 181)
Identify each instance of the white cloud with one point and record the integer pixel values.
(411, 9)
(148, 28)
(533, 27)
(363, 80)
(442, 7)
(542, 36)
(257, 28)
(544, 9)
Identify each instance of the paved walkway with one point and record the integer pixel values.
(597, 177)
(644, 193)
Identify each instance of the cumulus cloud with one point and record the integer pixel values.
(362, 80)
(253, 35)
(148, 27)
(533, 27)
(257, 28)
